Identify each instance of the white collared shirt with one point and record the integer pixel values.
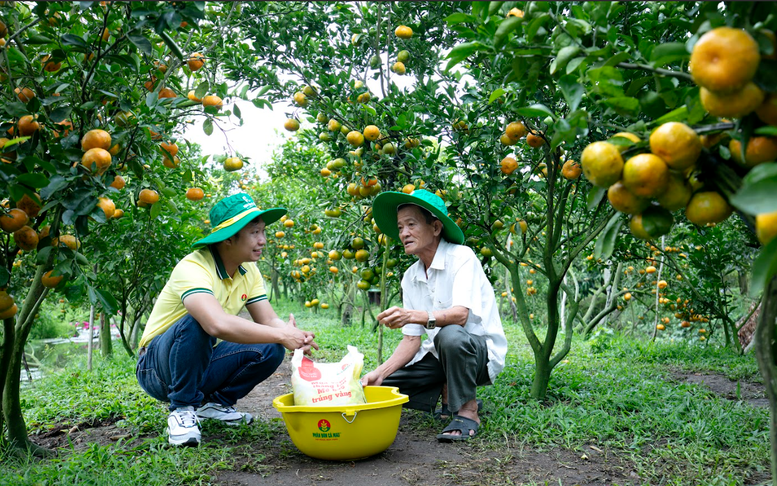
(455, 277)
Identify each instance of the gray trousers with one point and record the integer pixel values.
(463, 365)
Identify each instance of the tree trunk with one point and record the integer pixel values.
(766, 355)
(12, 409)
(539, 387)
(90, 342)
(106, 343)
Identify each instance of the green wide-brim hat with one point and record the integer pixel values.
(232, 213)
(384, 211)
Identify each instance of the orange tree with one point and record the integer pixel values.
(447, 134)
(94, 101)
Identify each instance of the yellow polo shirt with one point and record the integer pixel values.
(202, 271)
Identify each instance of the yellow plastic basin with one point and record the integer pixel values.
(344, 432)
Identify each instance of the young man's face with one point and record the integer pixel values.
(414, 232)
(249, 241)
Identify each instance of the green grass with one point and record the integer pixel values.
(613, 392)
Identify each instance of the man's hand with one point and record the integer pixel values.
(373, 378)
(295, 338)
(396, 317)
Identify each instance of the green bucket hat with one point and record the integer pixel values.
(384, 210)
(232, 213)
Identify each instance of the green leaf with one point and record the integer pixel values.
(757, 198)
(766, 75)
(202, 89)
(493, 7)
(43, 255)
(458, 18)
(33, 180)
(535, 25)
(236, 111)
(207, 126)
(171, 44)
(769, 131)
(764, 268)
(143, 44)
(57, 183)
(618, 58)
(508, 25)
(594, 197)
(666, 53)
(461, 52)
(535, 110)
(73, 40)
(38, 39)
(623, 105)
(564, 56)
(574, 64)
(605, 244)
(60, 114)
(678, 114)
(572, 90)
(496, 94)
(107, 301)
(759, 172)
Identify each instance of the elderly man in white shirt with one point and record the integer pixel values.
(447, 297)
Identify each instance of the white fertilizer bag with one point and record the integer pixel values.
(327, 384)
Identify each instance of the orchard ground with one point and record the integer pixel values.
(620, 411)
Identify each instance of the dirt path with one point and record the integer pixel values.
(416, 458)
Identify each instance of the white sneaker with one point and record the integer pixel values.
(228, 415)
(183, 427)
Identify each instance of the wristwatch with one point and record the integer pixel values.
(432, 322)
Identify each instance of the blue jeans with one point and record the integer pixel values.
(182, 366)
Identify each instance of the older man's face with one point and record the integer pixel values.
(414, 232)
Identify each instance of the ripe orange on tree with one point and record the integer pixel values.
(166, 93)
(9, 313)
(535, 141)
(118, 183)
(707, 207)
(371, 133)
(506, 140)
(69, 241)
(677, 145)
(571, 170)
(602, 163)
(232, 164)
(6, 301)
(399, 68)
(766, 227)
(192, 97)
(724, 59)
(355, 138)
(628, 136)
(758, 151)
(107, 205)
(148, 197)
(408, 188)
(96, 139)
(195, 61)
(98, 158)
(624, 200)
(735, 104)
(300, 98)
(677, 194)
(13, 220)
(291, 125)
(28, 125)
(171, 163)
(194, 194)
(212, 100)
(26, 238)
(403, 32)
(515, 130)
(24, 94)
(50, 281)
(169, 149)
(508, 165)
(31, 206)
(645, 175)
(118, 213)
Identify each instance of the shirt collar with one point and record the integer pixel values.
(438, 262)
(221, 271)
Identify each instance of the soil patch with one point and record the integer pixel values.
(416, 458)
(754, 394)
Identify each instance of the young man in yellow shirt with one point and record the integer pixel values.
(196, 352)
